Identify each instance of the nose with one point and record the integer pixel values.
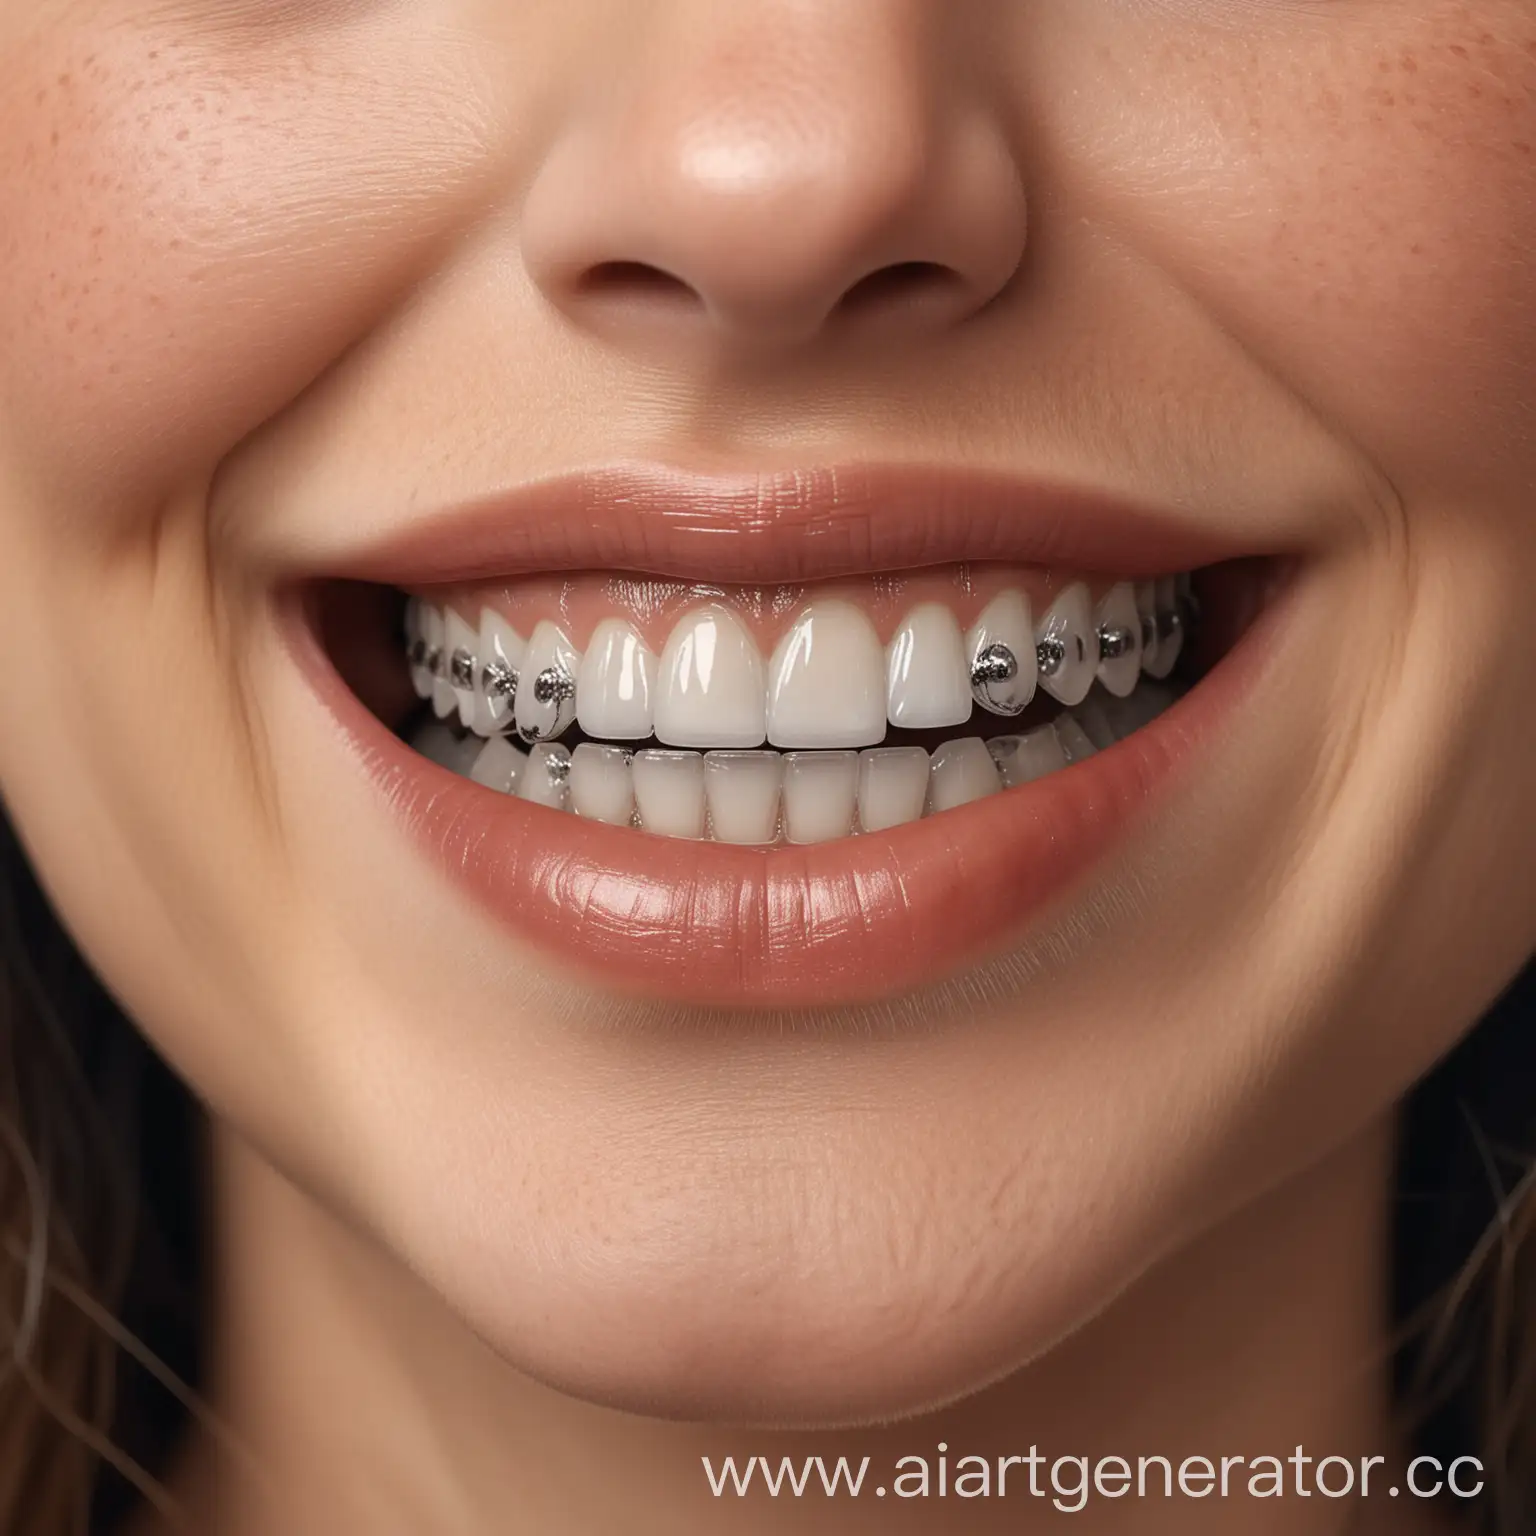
(772, 171)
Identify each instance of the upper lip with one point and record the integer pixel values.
(839, 520)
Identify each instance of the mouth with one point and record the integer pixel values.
(932, 712)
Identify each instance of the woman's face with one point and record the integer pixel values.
(461, 298)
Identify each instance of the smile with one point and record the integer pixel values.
(548, 711)
(729, 791)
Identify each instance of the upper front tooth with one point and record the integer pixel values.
(461, 642)
(546, 686)
(614, 685)
(826, 682)
(1067, 646)
(1120, 622)
(710, 689)
(927, 677)
(1003, 635)
(502, 651)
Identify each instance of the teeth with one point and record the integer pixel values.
(1143, 706)
(436, 741)
(760, 797)
(962, 771)
(742, 789)
(1119, 636)
(498, 765)
(1000, 648)
(1146, 609)
(460, 643)
(826, 683)
(545, 779)
(436, 662)
(1075, 741)
(602, 786)
(502, 651)
(1067, 646)
(669, 792)
(546, 685)
(829, 688)
(1093, 716)
(1170, 628)
(710, 692)
(1023, 759)
(416, 647)
(820, 790)
(927, 677)
(893, 786)
(615, 684)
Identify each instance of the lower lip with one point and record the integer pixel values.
(844, 922)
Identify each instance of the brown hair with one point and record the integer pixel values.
(100, 1215)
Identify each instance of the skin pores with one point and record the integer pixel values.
(277, 283)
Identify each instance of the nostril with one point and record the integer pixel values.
(903, 282)
(634, 280)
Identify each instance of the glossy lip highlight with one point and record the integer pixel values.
(842, 922)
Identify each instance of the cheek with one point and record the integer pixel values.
(1353, 195)
(192, 229)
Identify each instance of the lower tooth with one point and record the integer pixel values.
(499, 765)
(669, 792)
(742, 789)
(1075, 741)
(1023, 759)
(1092, 715)
(893, 786)
(820, 789)
(962, 771)
(545, 779)
(436, 741)
(602, 784)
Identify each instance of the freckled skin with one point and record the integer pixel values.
(278, 278)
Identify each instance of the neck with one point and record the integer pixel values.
(359, 1402)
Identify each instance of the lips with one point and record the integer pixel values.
(842, 921)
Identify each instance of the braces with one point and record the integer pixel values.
(997, 663)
